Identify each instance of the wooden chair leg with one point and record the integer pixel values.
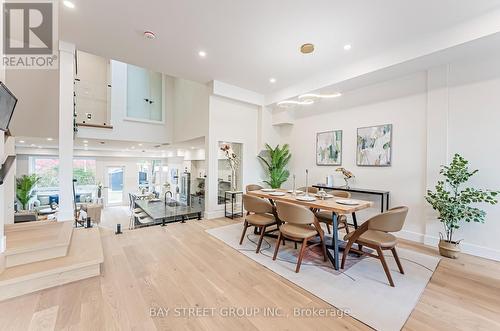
(323, 245)
(328, 228)
(396, 257)
(262, 232)
(346, 252)
(277, 246)
(301, 254)
(384, 264)
(245, 226)
(295, 243)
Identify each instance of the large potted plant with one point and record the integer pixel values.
(456, 204)
(25, 186)
(275, 164)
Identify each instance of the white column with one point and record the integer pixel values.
(66, 80)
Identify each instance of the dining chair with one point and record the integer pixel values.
(253, 187)
(326, 216)
(310, 189)
(301, 225)
(375, 233)
(260, 214)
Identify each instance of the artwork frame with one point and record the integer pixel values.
(326, 140)
(374, 146)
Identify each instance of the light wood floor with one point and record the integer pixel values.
(181, 266)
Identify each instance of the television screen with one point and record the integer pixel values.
(7, 104)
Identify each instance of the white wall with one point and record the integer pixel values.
(190, 110)
(231, 121)
(405, 178)
(436, 113)
(128, 130)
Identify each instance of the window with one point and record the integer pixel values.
(48, 170)
(84, 171)
(144, 94)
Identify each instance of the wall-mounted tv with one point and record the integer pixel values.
(7, 104)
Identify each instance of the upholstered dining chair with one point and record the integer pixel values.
(326, 216)
(310, 189)
(260, 214)
(300, 225)
(376, 234)
(253, 187)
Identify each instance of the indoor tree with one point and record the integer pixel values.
(454, 203)
(275, 164)
(24, 188)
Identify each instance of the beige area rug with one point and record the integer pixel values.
(361, 289)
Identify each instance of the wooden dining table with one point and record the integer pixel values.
(329, 204)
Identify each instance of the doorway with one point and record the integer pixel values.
(114, 186)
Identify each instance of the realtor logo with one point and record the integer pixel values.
(29, 34)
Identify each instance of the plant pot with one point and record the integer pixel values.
(449, 249)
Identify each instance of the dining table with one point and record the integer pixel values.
(330, 204)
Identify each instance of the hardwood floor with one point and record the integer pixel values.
(181, 266)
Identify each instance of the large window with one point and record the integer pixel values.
(84, 171)
(144, 94)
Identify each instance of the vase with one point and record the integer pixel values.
(449, 249)
(233, 180)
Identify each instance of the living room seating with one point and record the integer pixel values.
(375, 233)
(259, 214)
(300, 225)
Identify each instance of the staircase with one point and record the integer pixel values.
(43, 254)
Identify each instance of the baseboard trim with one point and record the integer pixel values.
(471, 249)
(410, 235)
(476, 250)
(214, 214)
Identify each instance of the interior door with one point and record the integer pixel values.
(114, 180)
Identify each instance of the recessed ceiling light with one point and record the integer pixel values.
(202, 54)
(307, 48)
(347, 47)
(21, 141)
(85, 145)
(272, 80)
(192, 147)
(85, 141)
(33, 145)
(50, 139)
(139, 144)
(69, 4)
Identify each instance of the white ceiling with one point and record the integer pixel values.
(248, 42)
(111, 147)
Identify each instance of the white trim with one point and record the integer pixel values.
(410, 235)
(3, 243)
(213, 214)
(133, 119)
(476, 250)
(237, 93)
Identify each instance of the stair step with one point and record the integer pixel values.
(36, 241)
(82, 261)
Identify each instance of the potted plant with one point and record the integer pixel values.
(25, 188)
(456, 204)
(275, 162)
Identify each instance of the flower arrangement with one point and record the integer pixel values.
(234, 162)
(347, 175)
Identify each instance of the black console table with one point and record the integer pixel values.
(384, 195)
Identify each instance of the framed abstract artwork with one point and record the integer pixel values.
(329, 148)
(374, 147)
